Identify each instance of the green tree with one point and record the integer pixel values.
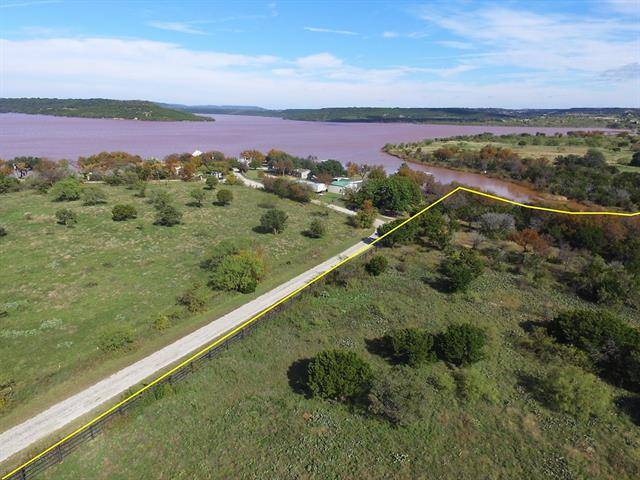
(317, 229)
(120, 212)
(240, 272)
(411, 345)
(365, 216)
(8, 184)
(603, 283)
(571, 390)
(436, 228)
(339, 374)
(198, 196)
(211, 182)
(462, 344)
(66, 217)
(273, 221)
(224, 197)
(394, 194)
(168, 216)
(93, 195)
(461, 267)
(66, 190)
(377, 265)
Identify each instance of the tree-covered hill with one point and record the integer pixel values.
(97, 108)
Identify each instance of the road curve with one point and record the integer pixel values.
(53, 419)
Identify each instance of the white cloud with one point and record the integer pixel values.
(456, 44)
(392, 34)
(28, 3)
(130, 68)
(181, 27)
(552, 43)
(329, 30)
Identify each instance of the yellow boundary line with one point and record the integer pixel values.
(263, 312)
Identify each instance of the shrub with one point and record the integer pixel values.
(224, 197)
(216, 254)
(66, 217)
(436, 228)
(168, 216)
(66, 190)
(441, 379)
(240, 272)
(287, 189)
(317, 229)
(604, 283)
(497, 225)
(461, 267)
(231, 179)
(160, 199)
(114, 340)
(613, 345)
(192, 299)
(3, 231)
(377, 265)
(273, 221)
(411, 345)
(198, 196)
(396, 399)
(339, 374)
(461, 344)
(120, 213)
(8, 184)
(573, 391)
(161, 323)
(365, 217)
(141, 187)
(211, 182)
(471, 386)
(299, 193)
(407, 233)
(93, 195)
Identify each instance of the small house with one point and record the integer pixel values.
(313, 186)
(341, 185)
(302, 173)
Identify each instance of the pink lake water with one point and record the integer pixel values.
(62, 137)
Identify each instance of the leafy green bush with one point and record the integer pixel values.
(472, 386)
(218, 252)
(317, 229)
(613, 345)
(211, 182)
(120, 212)
(66, 217)
(160, 199)
(377, 265)
(396, 399)
(66, 190)
(224, 196)
(168, 216)
(573, 391)
(240, 272)
(461, 344)
(8, 184)
(273, 221)
(93, 195)
(161, 323)
(192, 299)
(339, 374)
(117, 339)
(406, 234)
(365, 216)
(604, 283)
(411, 345)
(436, 228)
(231, 179)
(461, 267)
(198, 196)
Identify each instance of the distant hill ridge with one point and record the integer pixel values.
(97, 108)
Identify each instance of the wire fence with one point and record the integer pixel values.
(91, 431)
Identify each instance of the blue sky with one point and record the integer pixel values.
(544, 53)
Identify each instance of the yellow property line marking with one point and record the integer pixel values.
(221, 339)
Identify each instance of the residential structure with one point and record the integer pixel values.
(342, 184)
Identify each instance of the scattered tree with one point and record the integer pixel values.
(461, 267)
(274, 221)
(66, 190)
(240, 272)
(66, 217)
(211, 182)
(198, 196)
(168, 216)
(365, 216)
(120, 213)
(93, 195)
(224, 197)
(339, 374)
(411, 345)
(461, 344)
(317, 229)
(377, 265)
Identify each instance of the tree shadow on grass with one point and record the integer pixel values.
(194, 204)
(438, 283)
(297, 375)
(381, 347)
(630, 405)
(261, 229)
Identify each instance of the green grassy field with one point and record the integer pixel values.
(619, 158)
(62, 288)
(239, 417)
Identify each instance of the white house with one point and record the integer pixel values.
(302, 173)
(314, 186)
(342, 184)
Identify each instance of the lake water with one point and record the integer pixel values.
(61, 137)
